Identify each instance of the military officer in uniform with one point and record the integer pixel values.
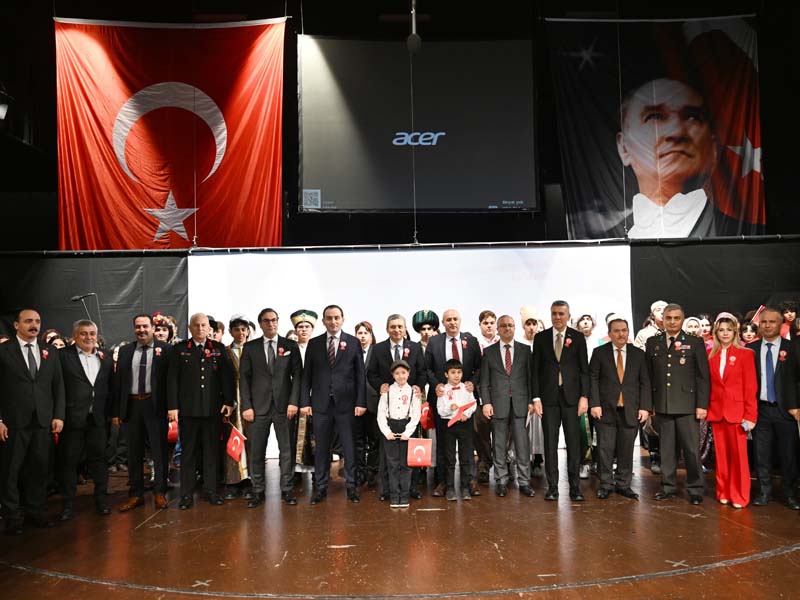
(678, 368)
(200, 388)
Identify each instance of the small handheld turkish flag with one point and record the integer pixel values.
(426, 417)
(419, 452)
(235, 444)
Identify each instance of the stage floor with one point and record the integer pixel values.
(489, 547)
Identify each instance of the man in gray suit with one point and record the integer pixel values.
(678, 369)
(270, 373)
(621, 398)
(507, 401)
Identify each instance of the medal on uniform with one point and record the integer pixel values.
(682, 360)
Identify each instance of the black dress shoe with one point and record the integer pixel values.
(760, 500)
(603, 493)
(232, 493)
(13, 527)
(501, 490)
(662, 495)
(352, 495)
(40, 522)
(248, 493)
(627, 492)
(792, 503)
(551, 493)
(214, 499)
(186, 502)
(695, 499)
(415, 493)
(288, 498)
(576, 496)
(319, 496)
(257, 498)
(527, 490)
(102, 508)
(67, 514)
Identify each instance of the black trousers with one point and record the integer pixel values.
(555, 416)
(199, 438)
(615, 439)
(257, 434)
(142, 424)
(460, 433)
(482, 440)
(396, 457)
(72, 444)
(440, 426)
(323, 432)
(775, 430)
(24, 466)
(682, 431)
(368, 446)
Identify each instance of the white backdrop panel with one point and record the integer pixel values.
(371, 284)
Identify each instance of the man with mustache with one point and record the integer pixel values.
(668, 140)
(32, 406)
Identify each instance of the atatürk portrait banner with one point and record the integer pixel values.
(659, 127)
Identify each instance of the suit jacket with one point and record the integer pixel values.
(786, 371)
(80, 393)
(370, 393)
(606, 386)
(123, 379)
(435, 357)
(344, 381)
(574, 367)
(200, 383)
(21, 395)
(260, 386)
(679, 376)
(509, 395)
(380, 361)
(734, 395)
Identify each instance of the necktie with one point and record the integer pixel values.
(620, 374)
(331, 350)
(270, 355)
(454, 349)
(32, 361)
(508, 359)
(397, 351)
(559, 347)
(143, 371)
(771, 397)
(671, 341)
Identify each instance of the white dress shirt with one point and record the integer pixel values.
(676, 218)
(137, 357)
(36, 355)
(776, 348)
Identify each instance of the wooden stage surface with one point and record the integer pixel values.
(490, 547)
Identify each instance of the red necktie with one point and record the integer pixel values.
(454, 350)
(508, 359)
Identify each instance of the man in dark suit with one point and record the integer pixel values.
(87, 375)
(678, 369)
(140, 402)
(270, 373)
(31, 409)
(452, 344)
(333, 393)
(621, 398)
(379, 377)
(561, 395)
(200, 387)
(506, 372)
(777, 367)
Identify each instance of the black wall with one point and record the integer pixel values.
(28, 205)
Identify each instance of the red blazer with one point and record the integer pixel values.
(733, 398)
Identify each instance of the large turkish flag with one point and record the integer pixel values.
(169, 136)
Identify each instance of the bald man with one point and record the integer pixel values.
(200, 391)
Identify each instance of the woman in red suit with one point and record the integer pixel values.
(732, 410)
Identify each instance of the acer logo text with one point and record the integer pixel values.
(417, 138)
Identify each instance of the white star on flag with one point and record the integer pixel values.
(170, 218)
(751, 157)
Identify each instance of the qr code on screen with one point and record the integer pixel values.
(312, 199)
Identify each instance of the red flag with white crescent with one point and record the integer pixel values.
(235, 444)
(169, 135)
